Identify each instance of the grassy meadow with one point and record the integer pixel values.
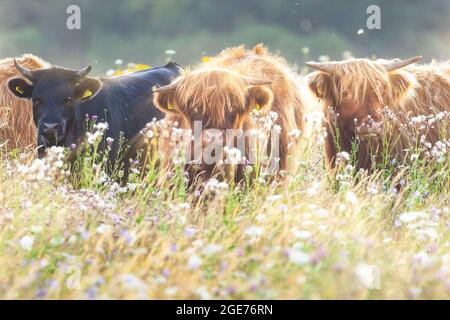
(315, 235)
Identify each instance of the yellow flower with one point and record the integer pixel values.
(206, 58)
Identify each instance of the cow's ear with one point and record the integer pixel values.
(87, 89)
(320, 83)
(402, 86)
(165, 101)
(20, 88)
(259, 97)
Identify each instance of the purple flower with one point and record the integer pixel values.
(41, 293)
(165, 272)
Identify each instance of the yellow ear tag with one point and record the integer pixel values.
(19, 90)
(86, 94)
(170, 106)
(257, 107)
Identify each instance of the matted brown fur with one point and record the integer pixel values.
(217, 93)
(359, 88)
(17, 128)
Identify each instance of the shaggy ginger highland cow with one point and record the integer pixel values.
(17, 128)
(376, 105)
(222, 93)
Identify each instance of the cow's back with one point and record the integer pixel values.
(126, 102)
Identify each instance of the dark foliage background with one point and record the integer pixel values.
(142, 31)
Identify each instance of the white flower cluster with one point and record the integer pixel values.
(45, 169)
(215, 186)
(95, 137)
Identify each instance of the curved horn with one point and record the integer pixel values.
(256, 82)
(394, 65)
(327, 67)
(24, 71)
(83, 72)
(166, 88)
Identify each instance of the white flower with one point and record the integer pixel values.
(321, 213)
(343, 155)
(254, 231)
(194, 262)
(212, 249)
(103, 228)
(301, 234)
(368, 275)
(26, 242)
(274, 198)
(118, 62)
(233, 155)
(132, 282)
(214, 185)
(431, 233)
(351, 197)
(203, 293)
(299, 257)
(170, 291)
(190, 232)
(408, 217)
(110, 73)
(36, 229)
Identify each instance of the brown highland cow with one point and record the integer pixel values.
(385, 107)
(17, 128)
(224, 91)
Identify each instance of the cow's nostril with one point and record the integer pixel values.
(50, 128)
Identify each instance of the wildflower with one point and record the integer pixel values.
(372, 189)
(190, 232)
(26, 242)
(203, 293)
(170, 291)
(274, 198)
(321, 213)
(343, 156)
(368, 275)
(254, 231)
(351, 197)
(260, 217)
(298, 257)
(36, 229)
(408, 217)
(301, 234)
(233, 155)
(109, 141)
(194, 262)
(212, 249)
(118, 62)
(103, 228)
(132, 282)
(214, 185)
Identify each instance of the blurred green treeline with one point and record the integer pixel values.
(142, 31)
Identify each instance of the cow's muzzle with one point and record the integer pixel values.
(370, 129)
